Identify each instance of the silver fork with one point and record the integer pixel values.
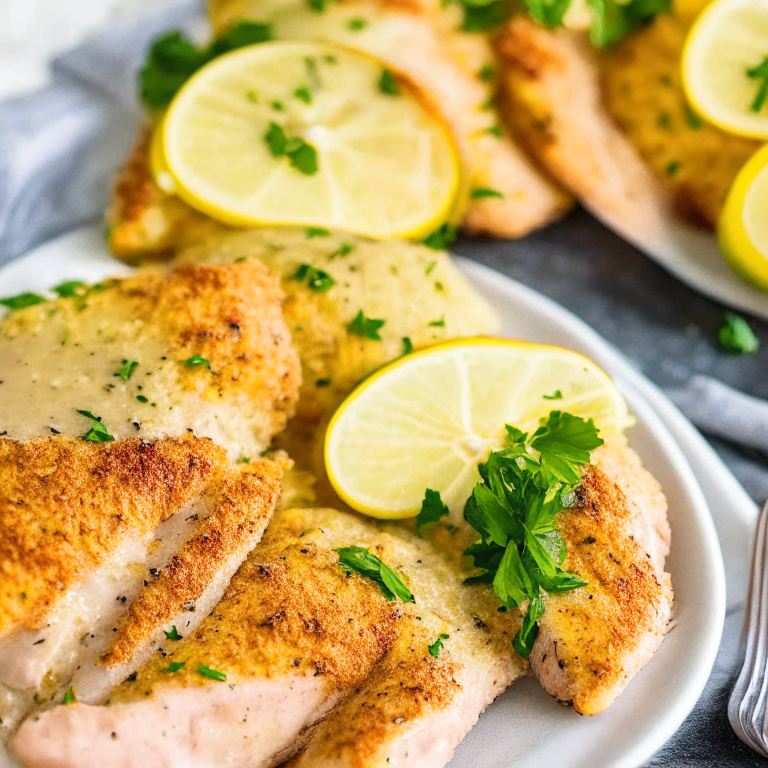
(749, 698)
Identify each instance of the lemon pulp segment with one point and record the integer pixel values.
(726, 41)
(743, 226)
(428, 420)
(386, 165)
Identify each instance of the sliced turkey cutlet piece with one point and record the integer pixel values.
(292, 634)
(204, 349)
(594, 640)
(87, 529)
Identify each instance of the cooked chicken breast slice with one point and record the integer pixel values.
(594, 640)
(90, 529)
(204, 349)
(553, 101)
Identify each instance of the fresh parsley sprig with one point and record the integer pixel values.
(98, 433)
(513, 509)
(360, 560)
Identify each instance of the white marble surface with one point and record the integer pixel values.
(33, 31)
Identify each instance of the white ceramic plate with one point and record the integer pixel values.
(525, 727)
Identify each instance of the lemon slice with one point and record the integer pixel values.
(728, 40)
(743, 227)
(428, 420)
(310, 133)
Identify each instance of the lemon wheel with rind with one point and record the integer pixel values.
(427, 420)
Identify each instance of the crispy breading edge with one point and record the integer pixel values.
(65, 503)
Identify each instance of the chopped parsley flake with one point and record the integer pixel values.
(357, 24)
(98, 433)
(558, 395)
(407, 346)
(243, 460)
(430, 267)
(303, 94)
(69, 289)
(432, 509)
(365, 326)
(252, 96)
(174, 666)
(495, 130)
(438, 323)
(437, 646)
(278, 106)
(343, 250)
(213, 674)
(442, 237)
(673, 168)
(692, 120)
(132, 677)
(69, 697)
(513, 509)
(173, 634)
(760, 73)
(737, 336)
(197, 360)
(317, 232)
(486, 73)
(316, 279)
(323, 383)
(360, 560)
(302, 155)
(482, 192)
(388, 84)
(22, 300)
(664, 121)
(129, 366)
(142, 398)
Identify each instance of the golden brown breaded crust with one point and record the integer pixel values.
(554, 103)
(244, 502)
(145, 222)
(65, 504)
(593, 639)
(644, 93)
(288, 610)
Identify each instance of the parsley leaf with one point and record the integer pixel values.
(98, 433)
(303, 94)
(407, 345)
(175, 666)
(442, 237)
(22, 300)
(737, 336)
(197, 360)
(129, 366)
(550, 13)
(213, 674)
(437, 646)
(558, 395)
(316, 279)
(173, 58)
(317, 232)
(524, 486)
(365, 326)
(360, 560)
(303, 156)
(243, 460)
(388, 84)
(432, 508)
(355, 25)
(614, 20)
(760, 73)
(482, 192)
(343, 250)
(69, 289)
(438, 323)
(69, 697)
(173, 634)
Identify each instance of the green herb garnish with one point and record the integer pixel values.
(437, 646)
(173, 634)
(323, 383)
(22, 300)
(438, 323)
(760, 73)
(442, 237)
(692, 120)
(355, 25)
(365, 326)
(303, 156)
(316, 279)
(98, 433)
(317, 232)
(69, 697)
(737, 336)
(557, 395)
(388, 84)
(407, 346)
(486, 73)
(129, 366)
(482, 192)
(673, 168)
(213, 674)
(69, 289)
(197, 360)
(175, 666)
(142, 398)
(432, 509)
(513, 509)
(303, 94)
(360, 560)
(173, 58)
(243, 460)
(343, 250)
(495, 130)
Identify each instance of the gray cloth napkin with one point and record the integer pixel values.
(60, 149)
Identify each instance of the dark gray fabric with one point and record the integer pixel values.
(59, 149)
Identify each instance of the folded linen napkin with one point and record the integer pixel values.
(60, 148)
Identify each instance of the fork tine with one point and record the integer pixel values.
(744, 697)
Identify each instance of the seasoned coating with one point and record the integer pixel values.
(145, 222)
(553, 100)
(212, 355)
(593, 641)
(644, 93)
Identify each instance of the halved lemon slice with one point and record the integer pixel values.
(723, 61)
(428, 420)
(743, 227)
(310, 133)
